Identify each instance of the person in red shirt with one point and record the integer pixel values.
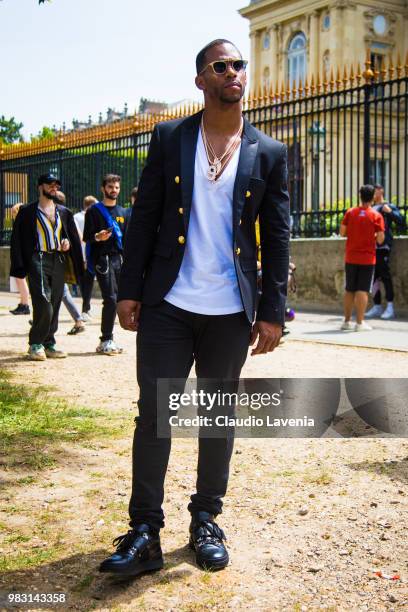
(363, 227)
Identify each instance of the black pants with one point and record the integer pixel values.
(383, 273)
(46, 284)
(107, 272)
(86, 290)
(169, 340)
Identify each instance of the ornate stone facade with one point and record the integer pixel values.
(337, 33)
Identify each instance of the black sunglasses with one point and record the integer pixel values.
(220, 66)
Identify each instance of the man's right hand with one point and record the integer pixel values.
(103, 235)
(128, 313)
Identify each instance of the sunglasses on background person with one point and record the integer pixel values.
(220, 66)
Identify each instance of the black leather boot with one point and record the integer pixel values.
(137, 551)
(206, 539)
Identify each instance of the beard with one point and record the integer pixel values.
(110, 196)
(232, 98)
(50, 196)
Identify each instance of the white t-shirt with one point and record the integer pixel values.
(79, 219)
(207, 281)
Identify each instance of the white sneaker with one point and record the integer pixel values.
(347, 326)
(362, 327)
(108, 347)
(388, 312)
(36, 352)
(375, 311)
(86, 317)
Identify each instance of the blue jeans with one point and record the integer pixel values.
(70, 304)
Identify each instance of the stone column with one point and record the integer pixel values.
(337, 30)
(274, 54)
(315, 60)
(255, 60)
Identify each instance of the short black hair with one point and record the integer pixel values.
(367, 193)
(378, 186)
(201, 56)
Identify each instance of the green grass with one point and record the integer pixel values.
(26, 480)
(319, 477)
(24, 560)
(33, 421)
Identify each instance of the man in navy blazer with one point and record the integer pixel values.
(188, 286)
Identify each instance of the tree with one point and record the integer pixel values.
(10, 130)
(45, 132)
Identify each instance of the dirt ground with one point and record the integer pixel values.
(309, 522)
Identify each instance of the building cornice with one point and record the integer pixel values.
(266, 7)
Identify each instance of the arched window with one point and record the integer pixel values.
(297, 59)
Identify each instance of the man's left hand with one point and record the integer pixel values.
(65, 245)
(386, 208)
(268, 334)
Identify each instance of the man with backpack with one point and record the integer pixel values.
(391, 215)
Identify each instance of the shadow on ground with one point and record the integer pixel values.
(395, 470)
(78, 577)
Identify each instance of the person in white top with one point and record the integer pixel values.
(188, 286)
(88, 277)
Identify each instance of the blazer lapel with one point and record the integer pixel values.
(189, 137)
(249, 149)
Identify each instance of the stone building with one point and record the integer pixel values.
(292, 39)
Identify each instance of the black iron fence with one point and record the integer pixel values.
(341, 132)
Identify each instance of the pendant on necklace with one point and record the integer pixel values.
(212, 173)
(214, 169)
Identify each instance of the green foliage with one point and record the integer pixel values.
(45, 133)
(326, 222)
(10, 130)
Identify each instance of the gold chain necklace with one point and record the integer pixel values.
(217, 164)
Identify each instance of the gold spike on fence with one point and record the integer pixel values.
(352, 76)
(283, 92)
(300, 88)
(345, 78)
(332, 82)
(399, 66)
(270, 94)
(338, 79)
(391, 68)
(368, 74)
(315, 84)
(307, 87)
(359, 75)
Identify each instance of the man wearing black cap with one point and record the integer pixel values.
(44, 245)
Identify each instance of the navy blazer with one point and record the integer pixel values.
(24, 240)
(158, 230)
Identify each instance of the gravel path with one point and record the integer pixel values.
(311, 524)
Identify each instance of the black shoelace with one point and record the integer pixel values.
(124, 541)
(210, 533)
